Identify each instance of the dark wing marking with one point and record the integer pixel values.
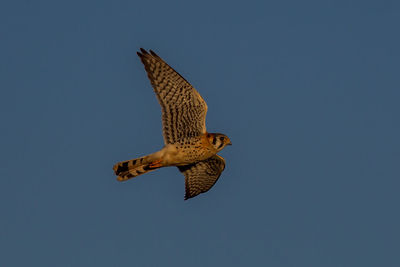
(183, 109)
(201, 176)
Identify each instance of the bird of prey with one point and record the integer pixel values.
(187, 143)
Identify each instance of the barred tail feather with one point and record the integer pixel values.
(131, 168)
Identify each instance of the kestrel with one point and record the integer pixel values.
(187, 143)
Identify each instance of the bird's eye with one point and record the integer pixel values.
(222, 139)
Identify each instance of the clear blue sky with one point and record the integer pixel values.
(308, 92)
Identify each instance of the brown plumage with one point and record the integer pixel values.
(187, 143)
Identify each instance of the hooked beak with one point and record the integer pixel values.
(229, 144)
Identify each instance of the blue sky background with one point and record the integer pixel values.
(308, 92)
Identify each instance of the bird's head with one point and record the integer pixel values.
(218, 140)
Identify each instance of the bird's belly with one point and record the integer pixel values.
(179, 156)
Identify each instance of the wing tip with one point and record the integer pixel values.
(187, 196)
(144, 52)
(153, 53)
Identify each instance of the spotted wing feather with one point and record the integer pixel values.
(183, 109)
(201, 176)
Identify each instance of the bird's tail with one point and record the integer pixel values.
(135, 167)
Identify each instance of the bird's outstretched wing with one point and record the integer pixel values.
(183, 109)
(202, 175)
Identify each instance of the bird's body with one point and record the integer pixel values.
(187, 143)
